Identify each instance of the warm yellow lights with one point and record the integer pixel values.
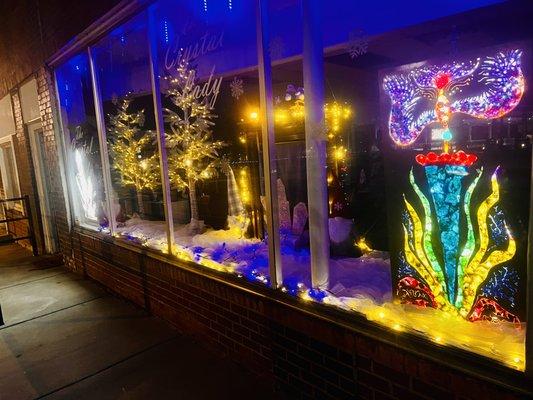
(339, 153)
(244, 187)
(397, 327)
(364, 247)
(335, 114)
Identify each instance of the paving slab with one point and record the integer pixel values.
(42, 296)
(67, 338)
(18, 266)
(47, 353)
(178, 369)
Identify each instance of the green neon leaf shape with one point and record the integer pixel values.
(428, 229)
(470, 244)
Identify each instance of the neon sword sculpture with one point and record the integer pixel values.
(468, 253)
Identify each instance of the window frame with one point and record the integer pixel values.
(4, 168)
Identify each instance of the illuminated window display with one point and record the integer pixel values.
(456, 249)
(402, 193)
(87, 190)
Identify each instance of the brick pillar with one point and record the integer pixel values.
(53, 158)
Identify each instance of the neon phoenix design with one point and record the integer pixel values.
(450, 249)
(500, 76)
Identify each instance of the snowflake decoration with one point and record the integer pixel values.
(237, 88)
(338, 206)
(357, 43)
(276, 48)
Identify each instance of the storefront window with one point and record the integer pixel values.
(81, 137)
(400, 171)
(123, 70)
(427, 141)
(207, 58)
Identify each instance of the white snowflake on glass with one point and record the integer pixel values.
(338, 206)
(357, 43)
(276, 48)
(237, 87)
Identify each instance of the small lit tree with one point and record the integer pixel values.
(135, 164)
(193, 155)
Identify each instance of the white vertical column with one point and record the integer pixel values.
(102, 138)
(269, 145)
(315, 142)
(160, 128)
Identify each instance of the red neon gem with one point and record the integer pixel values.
(459, 158)
(421, 159)
(442, 79)
(445, 158)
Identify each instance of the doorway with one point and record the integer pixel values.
(42, 178)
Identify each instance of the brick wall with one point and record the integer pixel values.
(52, 143)
(33, 30)
(303, 355)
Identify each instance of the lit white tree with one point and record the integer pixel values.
(193, 155)
(135, 164)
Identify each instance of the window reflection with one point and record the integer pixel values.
(83, 150)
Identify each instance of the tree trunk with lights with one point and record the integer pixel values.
(140, 205)
(195, 218)
(192, 154)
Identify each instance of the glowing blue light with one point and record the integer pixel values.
(317, 294)
(447, 135)
(165, 30)
(446, 184)
(502, 286)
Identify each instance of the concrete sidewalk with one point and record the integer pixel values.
(66, 338)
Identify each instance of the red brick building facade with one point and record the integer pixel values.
(305, 349)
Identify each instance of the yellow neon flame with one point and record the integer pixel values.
(477, 270)
(419, 260)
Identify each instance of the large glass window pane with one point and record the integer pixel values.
(123, 70)
(285, 50)
(427, 141)
(207, 56)
(82, 144)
